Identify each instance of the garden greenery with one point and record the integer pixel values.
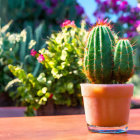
(31, 91)
(62, 72)
(9, 50)
(124, 14)
(15, 49)
(33, 12)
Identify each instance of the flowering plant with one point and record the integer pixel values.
(62, 63)
(15, 49)
(10, 44)
(51, 12)
(31, 91)
(61, 75)
(123, 12)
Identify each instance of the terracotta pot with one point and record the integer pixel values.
(107, 106)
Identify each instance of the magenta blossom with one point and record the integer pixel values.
(54, 3)
(40, 1)
(67, 23)
(131, 34)
(40, 58)
(135, 9)
(127, 19)
(123, 5)
(49, 11)
(137, 23)
(33, 52)
(98, 1)
(79, 9)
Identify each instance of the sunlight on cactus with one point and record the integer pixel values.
(103, 62)
(123, 61)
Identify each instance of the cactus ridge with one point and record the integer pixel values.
(98, 67)
(105, 63)
(123, 61)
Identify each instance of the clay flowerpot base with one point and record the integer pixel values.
(107, 106)
(112, 130)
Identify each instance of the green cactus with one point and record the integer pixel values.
(103, 64)
(123, 61)
(98, 55)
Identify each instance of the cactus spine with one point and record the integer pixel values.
(103, 65)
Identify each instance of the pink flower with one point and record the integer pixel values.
(131, 34)
(137, 23)
(79, 9)
(40, 58)
(33, 52)
(135, 10)
(98, 1)
(123, 5)
(128, 19)
(67, 23)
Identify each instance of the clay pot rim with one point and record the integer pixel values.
(107, 90)
(108, 85)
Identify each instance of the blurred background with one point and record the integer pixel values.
(41, 49)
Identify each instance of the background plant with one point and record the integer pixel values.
(136, 81)
(14, 49)
(33, 12)
(62, 68)
(9, 46)
(31, 91)
(123, 14)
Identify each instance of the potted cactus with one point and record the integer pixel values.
(108, 64)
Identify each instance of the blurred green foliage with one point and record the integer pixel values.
(14, 49)
(63, 62)
(136, 81)
(31, 92)
(9, 47)
(32, 12)
(62, 71)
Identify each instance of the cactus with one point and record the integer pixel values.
(98, 62)
(103, 62)
(123, 61)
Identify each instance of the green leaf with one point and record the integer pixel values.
(43, 100)
(41, 78)
(44, 90)
(70, 86)
(40, 93)
(64, 55)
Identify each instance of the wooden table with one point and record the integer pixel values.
(70, 127)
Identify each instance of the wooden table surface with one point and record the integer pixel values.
(70, 127)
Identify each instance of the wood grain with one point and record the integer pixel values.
(69, 127)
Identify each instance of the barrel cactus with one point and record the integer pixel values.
(106, 62)
(123, 61)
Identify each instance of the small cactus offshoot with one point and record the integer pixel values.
(105, 61)
(123, 61)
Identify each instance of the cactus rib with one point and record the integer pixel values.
(105, 63)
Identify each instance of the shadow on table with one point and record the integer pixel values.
(135, 132)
